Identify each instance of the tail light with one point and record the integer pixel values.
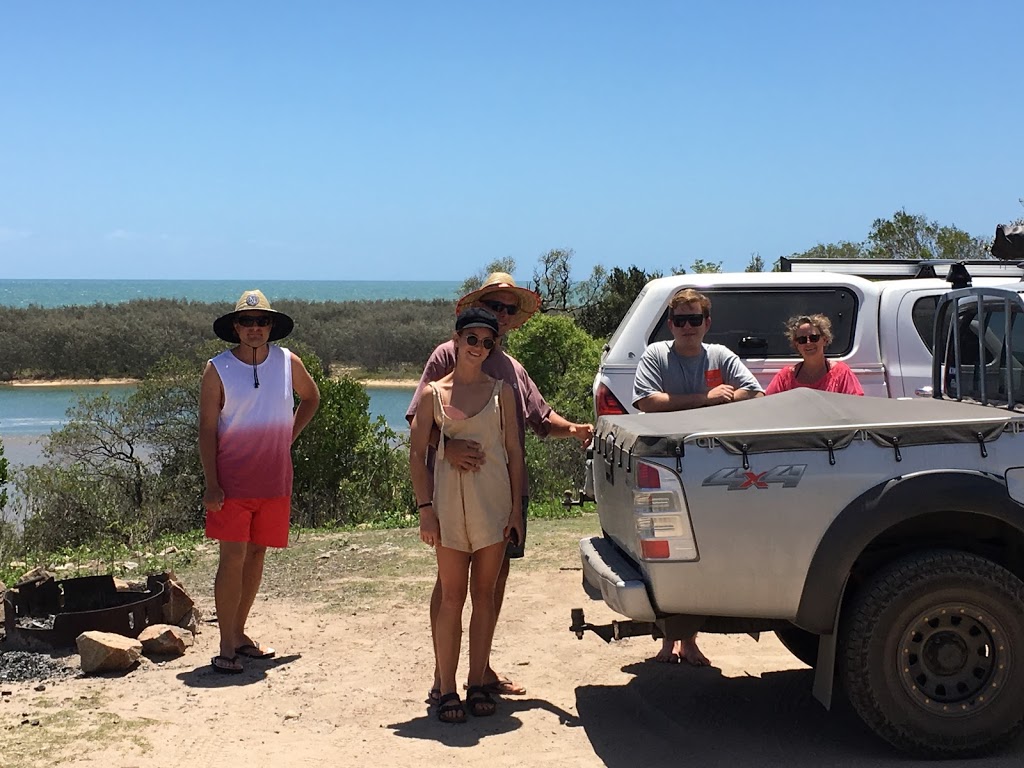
(663, 527)
(606, 403)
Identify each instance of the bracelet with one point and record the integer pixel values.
(425, 504)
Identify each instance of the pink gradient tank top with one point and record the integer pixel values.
(254, 431)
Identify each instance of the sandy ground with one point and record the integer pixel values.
(348, 688)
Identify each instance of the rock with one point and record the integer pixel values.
(121, 585)
(191, 621)
(107, 652)
(165, 640)
(178, 603)
(36, 575)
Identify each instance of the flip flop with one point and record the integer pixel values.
(226, 665)
(255, 651)
(503, 686)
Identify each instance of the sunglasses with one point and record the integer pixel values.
(695, 320)
(473, 340)
(248, 321)
(497, 306)
(813, 338)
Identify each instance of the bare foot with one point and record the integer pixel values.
(669, 653)
(691, 654)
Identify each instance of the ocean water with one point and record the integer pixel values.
(59, 293)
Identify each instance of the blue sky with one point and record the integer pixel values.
(412, 140)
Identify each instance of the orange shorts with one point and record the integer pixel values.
(256, 521)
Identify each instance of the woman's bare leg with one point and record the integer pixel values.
(482, 579)
(453, 575)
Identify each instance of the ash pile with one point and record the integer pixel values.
(27, 667)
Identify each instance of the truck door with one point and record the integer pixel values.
(907, 342)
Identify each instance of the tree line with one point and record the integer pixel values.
(127, 340)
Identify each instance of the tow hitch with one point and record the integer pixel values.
(582, 498)
(617, 630)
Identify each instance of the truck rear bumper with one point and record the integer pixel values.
(608, 574)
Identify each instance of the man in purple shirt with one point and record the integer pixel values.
(513, 306)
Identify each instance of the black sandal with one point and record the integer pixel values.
(480, 702)
(452, 712)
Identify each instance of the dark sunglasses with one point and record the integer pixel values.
(681, 320)
(813, 338)
(497, 306)
(473, 340)
(248, 321)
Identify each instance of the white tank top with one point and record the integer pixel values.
(254, 430)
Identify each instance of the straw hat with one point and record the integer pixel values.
(224, 326)
(528, 301)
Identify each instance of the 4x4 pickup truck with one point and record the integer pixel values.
(882, 326)
(881, 539)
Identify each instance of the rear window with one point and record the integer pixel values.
(923, 315)
(752, 322)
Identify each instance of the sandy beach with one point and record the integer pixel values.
(69, 382)
(380, 383)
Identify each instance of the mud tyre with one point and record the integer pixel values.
(932, 654)
(801, 643)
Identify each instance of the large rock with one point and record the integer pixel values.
(107, 652)
(178, 603)
(165, 640)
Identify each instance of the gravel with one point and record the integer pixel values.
(24, 666)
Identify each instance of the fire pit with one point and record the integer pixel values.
(42, 613)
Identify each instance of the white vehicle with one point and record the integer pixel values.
(882, 540)
(882, 327)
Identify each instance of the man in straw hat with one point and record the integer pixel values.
(246, 429)
(513, 306)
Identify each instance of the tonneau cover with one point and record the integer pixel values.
(805, 419)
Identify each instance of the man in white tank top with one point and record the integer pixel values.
(246, 430)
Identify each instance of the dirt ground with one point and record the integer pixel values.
(348, 616)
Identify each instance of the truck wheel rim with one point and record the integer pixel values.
(953, 659)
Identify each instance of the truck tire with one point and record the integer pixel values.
(932, 654)
(801, 643)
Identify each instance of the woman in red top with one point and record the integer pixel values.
(810, 335)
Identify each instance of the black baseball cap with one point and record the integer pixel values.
(475, 317)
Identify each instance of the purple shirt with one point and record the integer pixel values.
(531, 408)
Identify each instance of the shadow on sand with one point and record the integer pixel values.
(698, 717)
(476, 729)
(254, 672)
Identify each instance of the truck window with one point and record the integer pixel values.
(989, 359)
(923, 316)
(752, 323)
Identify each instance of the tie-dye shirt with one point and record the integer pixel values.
(254, 431)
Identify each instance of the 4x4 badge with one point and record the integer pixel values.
(738, 479)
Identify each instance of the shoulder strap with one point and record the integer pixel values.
(439, 408)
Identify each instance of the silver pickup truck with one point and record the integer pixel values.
(881, 539)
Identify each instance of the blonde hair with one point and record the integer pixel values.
(821, 322)
(690, 296)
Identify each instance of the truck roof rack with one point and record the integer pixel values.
(898, 268)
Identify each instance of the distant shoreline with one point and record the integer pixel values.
(378, 383)
(68, 382)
